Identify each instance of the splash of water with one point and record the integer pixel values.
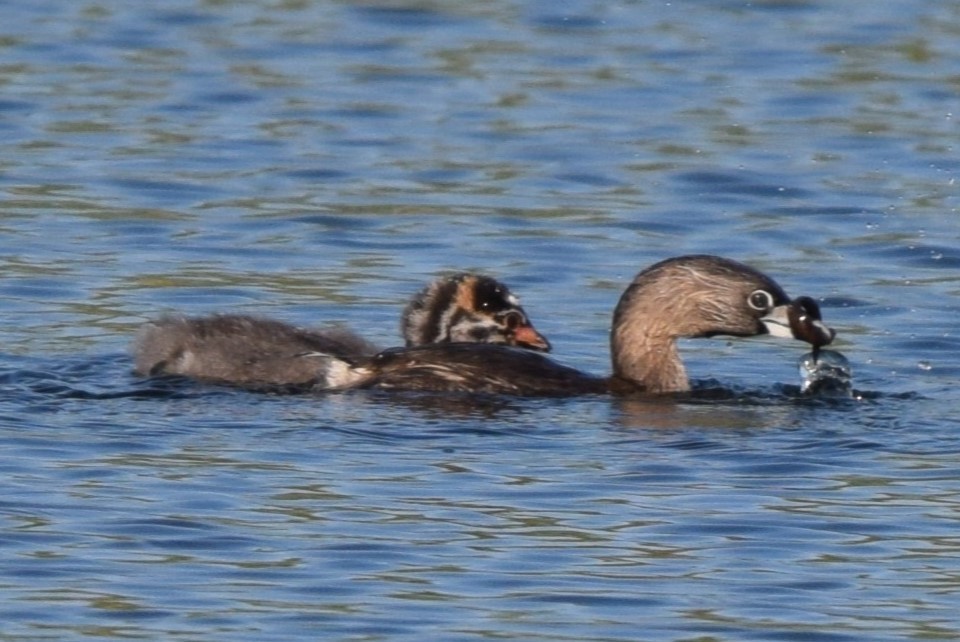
(826, 373)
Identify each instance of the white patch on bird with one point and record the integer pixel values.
(778, 323)
(445, 324)
(445, 372)
(339, 374)
(187, 360)
(513, 299)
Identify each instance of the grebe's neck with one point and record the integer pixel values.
(650, 361)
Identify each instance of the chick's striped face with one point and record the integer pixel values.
(485, 311)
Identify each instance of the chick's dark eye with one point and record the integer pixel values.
(512, 320)
(760, 300)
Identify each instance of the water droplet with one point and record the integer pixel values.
(925, 365)
(828, 374)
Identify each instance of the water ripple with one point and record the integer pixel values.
(316, 162)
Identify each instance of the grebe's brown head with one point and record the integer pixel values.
(703, 296)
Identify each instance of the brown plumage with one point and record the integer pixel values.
(261, 353)
(687, 296)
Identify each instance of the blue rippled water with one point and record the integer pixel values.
(319, 162)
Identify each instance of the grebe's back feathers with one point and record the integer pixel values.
(688, 296)
(472, 367)
(259, 353)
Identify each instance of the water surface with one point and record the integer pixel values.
(319, 162)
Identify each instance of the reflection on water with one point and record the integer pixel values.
(317, 162)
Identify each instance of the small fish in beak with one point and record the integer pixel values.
(800, 319)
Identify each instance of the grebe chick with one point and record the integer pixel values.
(686, 296)
(468, 308)
(259, 353)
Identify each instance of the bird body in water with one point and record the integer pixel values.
(258, 353)
(682, 297)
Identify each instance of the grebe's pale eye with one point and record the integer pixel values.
(760, 300)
